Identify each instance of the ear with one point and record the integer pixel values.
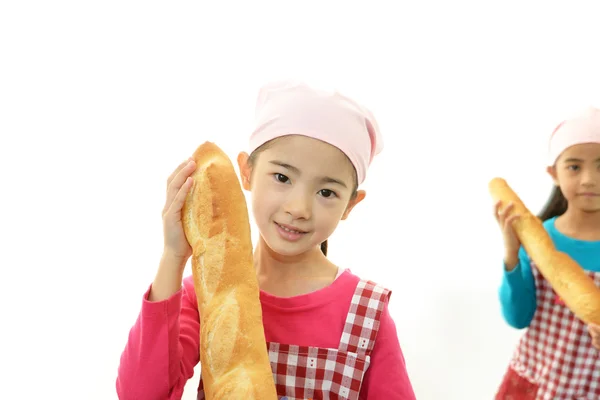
(552, 172)
(360, 196)
(245, 170)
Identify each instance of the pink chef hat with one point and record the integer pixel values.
(582, 128)
(289, 107)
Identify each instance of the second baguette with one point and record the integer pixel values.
(565, 275)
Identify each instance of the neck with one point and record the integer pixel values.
(580, 221)
(276, 267)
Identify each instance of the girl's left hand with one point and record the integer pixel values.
(595, 334)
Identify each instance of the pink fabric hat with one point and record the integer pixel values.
(583, 128)
(289, 107)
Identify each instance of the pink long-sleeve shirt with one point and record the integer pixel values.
(163, 345)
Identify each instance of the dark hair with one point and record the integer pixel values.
(555, 206)
(252, 159)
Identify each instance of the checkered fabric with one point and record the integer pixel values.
(303, 372)
(362, 323)
(555, 356)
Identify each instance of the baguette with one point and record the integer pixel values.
(234, 357)
(578, 291)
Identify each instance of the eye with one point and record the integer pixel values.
(327, 193)
(573, 167)
(281, 178)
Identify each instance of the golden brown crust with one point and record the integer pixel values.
(233, 348)
(567, 278)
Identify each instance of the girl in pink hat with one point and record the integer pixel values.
(329, 333)
(558, 357)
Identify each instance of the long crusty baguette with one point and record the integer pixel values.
(233, 350)
(567, 278)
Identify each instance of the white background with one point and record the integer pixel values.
(100, 101)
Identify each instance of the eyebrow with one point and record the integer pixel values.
(579, 160)
(325, 179)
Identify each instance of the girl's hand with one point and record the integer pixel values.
(178, 185)
(512, 244)
(595, 334)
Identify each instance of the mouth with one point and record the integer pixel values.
(290, 229)
(589, 194)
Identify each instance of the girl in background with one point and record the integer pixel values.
(558, 357)
(330, 333)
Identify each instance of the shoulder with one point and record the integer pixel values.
(369, 288)
(549, 225)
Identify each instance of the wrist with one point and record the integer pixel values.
(168, 278)
(511, 261)
(173, 261)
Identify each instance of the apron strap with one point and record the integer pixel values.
(362, 322)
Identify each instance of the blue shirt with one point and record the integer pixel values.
(517, 291)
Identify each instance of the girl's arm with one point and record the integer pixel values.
(595, 334)
(162, 349)
(517, 293)
(387, 377)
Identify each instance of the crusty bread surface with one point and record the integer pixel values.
(233, 350)
(568, 279)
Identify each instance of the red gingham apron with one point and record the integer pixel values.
(555, 359)
(304, 372)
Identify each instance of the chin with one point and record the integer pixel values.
(287, 249)
(587, 206)
(589, 210)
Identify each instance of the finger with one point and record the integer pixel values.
(179, 180)
(508, 222)
(512, 218)
(500, 213)
(179, 199)
(506, 212)
(509, 208)
(179, 168)
(497, 206)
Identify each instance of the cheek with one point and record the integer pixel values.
(327, 214)
(264, 201)
(567, 185)
(328, 224)
(565, 177)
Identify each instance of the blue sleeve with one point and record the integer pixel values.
(517, 293)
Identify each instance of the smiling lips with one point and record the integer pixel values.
(589, 194)
(289, 232)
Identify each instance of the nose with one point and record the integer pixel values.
(298, 205)
(590, 177)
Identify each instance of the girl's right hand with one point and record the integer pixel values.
(179, 183)
(512, 244)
